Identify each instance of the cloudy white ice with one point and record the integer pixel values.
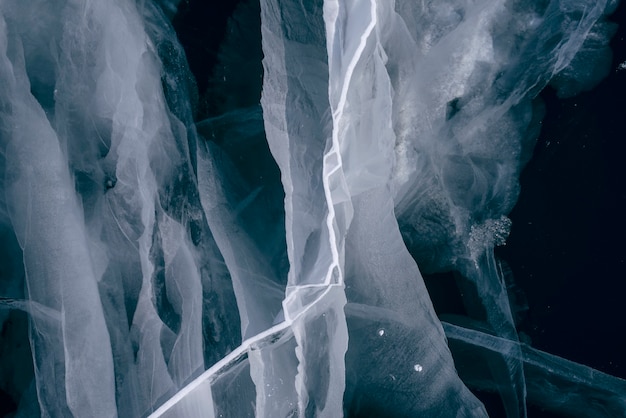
(160, 274)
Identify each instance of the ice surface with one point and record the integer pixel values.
(264, 261)
(94, 167)
(554, 383)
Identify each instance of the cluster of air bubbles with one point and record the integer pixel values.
(489, 234)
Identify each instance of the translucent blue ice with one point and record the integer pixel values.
(161, 274)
